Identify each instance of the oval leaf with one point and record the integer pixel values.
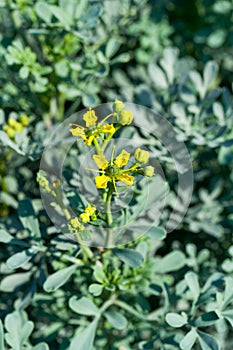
(57, 279)
(129, 257)
(83, 306)
(117, 320)
(85, 339)
(188, 341)
(175, 320)
(21, 258)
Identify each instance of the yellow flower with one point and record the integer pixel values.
(92, 130)
(112, 171)
(24, 119)
(9, 130)
(85, 217)
(90, 209)
(75, 225)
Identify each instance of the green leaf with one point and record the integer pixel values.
(171, 262)
(5, 237)
(207, 342)
(210, 73)
(24, 72)
(11, 282)
(117, 320)
(57, 279)
(61, 16)
(193, 284)
(129, 257)
(175, 320)
(28, 217)
(228, 293)
(85, 339)
(228, 314)
(6, 141)
(19, 329)
(95, 289)
(19, 259)
(41, 346)
(1, 336)
(157, 233)
(122, 58)
(217, 38)
(112, 47)
(158, 77)
(207, 319)
(99, 274)
(188, 341)
(43, 11)
(83, 306)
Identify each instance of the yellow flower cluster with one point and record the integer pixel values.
(88, 214)
(44, 182)
(75, 225)
(112, 171)
(92, 130)
(14, 126)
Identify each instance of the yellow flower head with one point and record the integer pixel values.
(75, 225)
(85, 217)
(90, 209)
(112, 171)
(92, 130)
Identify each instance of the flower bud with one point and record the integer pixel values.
(141, 156)
(9, 131)
(18, 127)
(24, 119)
(118, 106)
(149, 171)
(125, 117)
(12, 122)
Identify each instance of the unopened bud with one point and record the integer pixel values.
(118, 106)
(125, 117)
(141, 156)
(149, 171)
(24, 119)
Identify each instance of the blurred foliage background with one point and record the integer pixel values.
(175, 57)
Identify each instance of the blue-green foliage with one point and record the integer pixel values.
(163, 291)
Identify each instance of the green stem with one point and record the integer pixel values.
(87, 251)
(108, 242)
(97, 147)
(108, 138)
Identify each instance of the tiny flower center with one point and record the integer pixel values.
(112, 170)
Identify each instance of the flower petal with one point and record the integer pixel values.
(90, 118)
(108, 128)
(78, 131)
(122, 159)
(101, 181)
(88, 142)
(100, 161)
(127, 179)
